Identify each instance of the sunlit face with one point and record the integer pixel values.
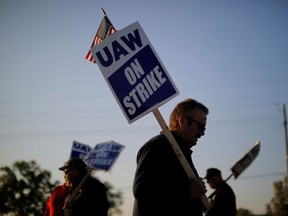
(193, 126)
(67, 183)
(70, 175)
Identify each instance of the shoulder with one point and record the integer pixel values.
(60, 188)
(226, 189)
(158, 141)
(150, 151)
(227, 186)
(93, 182)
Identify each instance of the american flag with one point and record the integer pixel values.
(106, 28)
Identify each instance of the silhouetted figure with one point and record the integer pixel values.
(90, 198)
(223, 199)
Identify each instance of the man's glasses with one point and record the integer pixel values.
(201, 126)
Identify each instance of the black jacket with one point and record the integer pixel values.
(161, 186)
(224, 202)
(92, 199)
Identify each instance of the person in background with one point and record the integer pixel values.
(161, 186)
(91, 198)
(55, 203)
(223, 199)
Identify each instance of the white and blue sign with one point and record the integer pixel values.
(79, 150)
(134, 72)
(104, 155)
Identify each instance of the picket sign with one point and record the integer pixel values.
(246, 160)
(86, 153)
(179, 153)
(242, 164)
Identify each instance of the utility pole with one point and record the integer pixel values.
(285, 135)
(286, 143)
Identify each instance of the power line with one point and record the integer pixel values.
(240, 178)
(261, 176)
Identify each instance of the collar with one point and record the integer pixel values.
(184, 148)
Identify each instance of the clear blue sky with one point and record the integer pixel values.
(230, 55)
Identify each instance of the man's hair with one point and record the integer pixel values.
(183, 108)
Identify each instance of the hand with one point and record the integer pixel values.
(67, 205)
(197, 187)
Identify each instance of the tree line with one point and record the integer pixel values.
(25, 189)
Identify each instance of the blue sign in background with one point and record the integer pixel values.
(104, 156)
(110, 157)
(79, 150)
(122, 87)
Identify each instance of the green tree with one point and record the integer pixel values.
(115, 200)
(269, 211)
(25, 189)
(280, 200)
(244, 212)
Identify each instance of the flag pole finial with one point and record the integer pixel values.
(103, 11)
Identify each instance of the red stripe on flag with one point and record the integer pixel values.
(105, 29)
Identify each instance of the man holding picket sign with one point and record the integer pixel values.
(87, 194)
(82, 194)
(223, 199)
(166, 181)
(161, 186)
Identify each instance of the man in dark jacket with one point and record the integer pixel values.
(161, 186)
(223, 198)
(90, 198)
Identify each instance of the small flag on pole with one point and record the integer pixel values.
(105, 29)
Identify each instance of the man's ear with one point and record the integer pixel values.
(181, 120)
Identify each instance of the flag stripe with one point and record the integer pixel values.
(105, 29)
